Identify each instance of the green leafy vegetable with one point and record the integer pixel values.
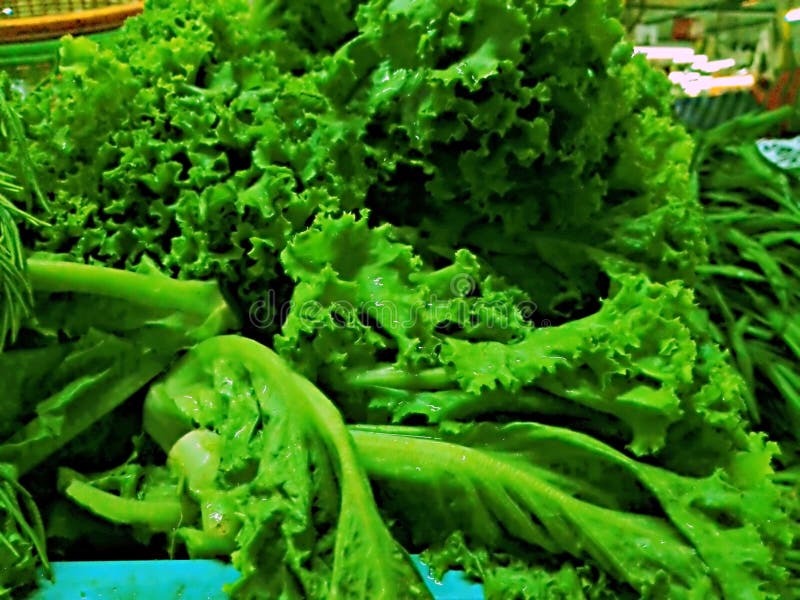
(22, 537)
(752, 282)
(98, 336)
(549, 487)
(471, 229)
(507, 576)
(233, 125)
(521, 129)
(16, 298)
(273, 474)
(189, 140)
(122, 329)
(643, 370)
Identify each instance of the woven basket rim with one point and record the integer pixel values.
(50, 26)
(20, 9)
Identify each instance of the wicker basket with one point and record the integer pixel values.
(32, 20)
(37, 8)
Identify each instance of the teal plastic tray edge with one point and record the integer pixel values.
(187, 580)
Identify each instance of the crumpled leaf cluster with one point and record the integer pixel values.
(206, 136)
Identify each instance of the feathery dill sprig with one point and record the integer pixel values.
(16, 295)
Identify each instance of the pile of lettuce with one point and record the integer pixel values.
(206, 136)
(310, 286)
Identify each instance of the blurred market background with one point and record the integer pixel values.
(725, 57)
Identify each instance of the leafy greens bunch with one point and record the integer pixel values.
(399, 342)
(528, 130)
(22, 536)
(191, 140)
(97, 337)
(262, 468)
(752, 284)
(207, 135)
(429, 187)
(270, 475)
(83, 340)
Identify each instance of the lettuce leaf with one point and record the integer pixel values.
(565, 492)
(271, 473)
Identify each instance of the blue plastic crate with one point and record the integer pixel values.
(185, 580)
